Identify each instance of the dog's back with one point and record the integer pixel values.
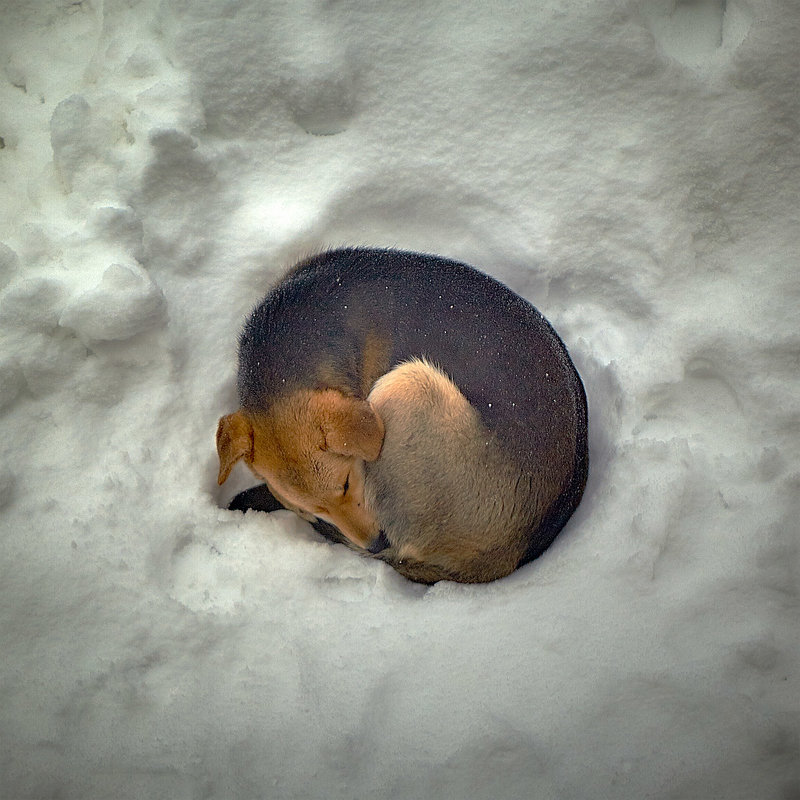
(345, 318)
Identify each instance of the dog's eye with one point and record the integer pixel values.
(346, 485)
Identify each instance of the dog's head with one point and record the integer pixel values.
(310, 448)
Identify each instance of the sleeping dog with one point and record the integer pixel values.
(412, 407)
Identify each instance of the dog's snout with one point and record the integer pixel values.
(378, 544)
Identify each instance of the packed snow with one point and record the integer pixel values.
(632, 167)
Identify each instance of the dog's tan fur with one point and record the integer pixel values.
(442, 489)
(308, 447)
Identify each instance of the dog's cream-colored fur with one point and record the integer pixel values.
(449, 503)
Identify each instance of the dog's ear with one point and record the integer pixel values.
(351, 426)
(234, 441)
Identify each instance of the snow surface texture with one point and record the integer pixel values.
(630, 166)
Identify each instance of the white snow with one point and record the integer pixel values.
(630, 166)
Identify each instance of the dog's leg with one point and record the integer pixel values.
(418, 571)
(425, 572)
(442, 566)
(259, 498)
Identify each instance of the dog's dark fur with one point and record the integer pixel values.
(342, 320)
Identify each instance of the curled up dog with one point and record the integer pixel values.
(412, 407)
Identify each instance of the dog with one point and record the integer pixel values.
(412, 407)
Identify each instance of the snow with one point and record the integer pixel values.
(631, 167)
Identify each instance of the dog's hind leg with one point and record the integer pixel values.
(418, 571)
(476, 570)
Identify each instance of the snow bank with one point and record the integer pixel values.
(630, 167)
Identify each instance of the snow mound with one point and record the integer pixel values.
(125, 302)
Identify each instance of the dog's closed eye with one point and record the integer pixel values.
(346, 485)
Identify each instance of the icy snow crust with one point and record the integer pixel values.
(632, 168)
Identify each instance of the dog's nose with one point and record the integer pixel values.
(380, 542)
